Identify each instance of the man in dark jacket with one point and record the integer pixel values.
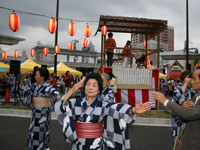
(191, 116)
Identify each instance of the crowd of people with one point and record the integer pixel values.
(87, 110)
(94, 108)
(92, 120)
(61, 83)
(7, 81)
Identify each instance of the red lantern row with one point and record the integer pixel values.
(45, 51)
(16, 55)
(4, 55)
(52, 25)
(14, 22)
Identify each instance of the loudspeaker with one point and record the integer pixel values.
(44, 66)
(15, 67)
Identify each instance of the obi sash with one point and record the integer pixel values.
(41, 102)
(89, 130)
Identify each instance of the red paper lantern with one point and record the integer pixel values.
(85, 43)
(4, 55)
(16, 54)
(52, 25)
(57, 49)
(72, 28)
(46, 51)
(14, 22)
(70, 46)
(104, 30)
(144, 43)
(87, 31)
(32, 52)
(148, 60)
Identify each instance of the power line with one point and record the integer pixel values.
(41, 15)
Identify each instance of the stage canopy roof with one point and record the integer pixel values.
(152, 27)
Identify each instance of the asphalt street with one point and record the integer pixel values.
(13, 136)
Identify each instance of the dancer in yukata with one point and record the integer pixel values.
(39, 96)
(83, 118)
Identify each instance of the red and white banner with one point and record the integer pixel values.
(134, 96)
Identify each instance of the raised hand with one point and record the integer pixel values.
(141, 108)
(188, 80)
(77, 86)
(72, 91)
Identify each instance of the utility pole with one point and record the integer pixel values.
(187, 38)
(56, 37)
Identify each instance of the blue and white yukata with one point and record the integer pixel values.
(39, 129)
(179, 98)
(79, 110)
(123, 141)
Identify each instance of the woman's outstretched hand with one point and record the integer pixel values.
(142, 107)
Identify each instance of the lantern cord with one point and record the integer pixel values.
(41, 15)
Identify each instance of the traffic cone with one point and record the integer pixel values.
(7, 97)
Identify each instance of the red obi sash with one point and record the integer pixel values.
(89, 130)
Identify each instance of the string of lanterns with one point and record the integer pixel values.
(14, 24)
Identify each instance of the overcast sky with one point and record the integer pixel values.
(35, 28)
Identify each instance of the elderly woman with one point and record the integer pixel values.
(83, 119)
(107, 93)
